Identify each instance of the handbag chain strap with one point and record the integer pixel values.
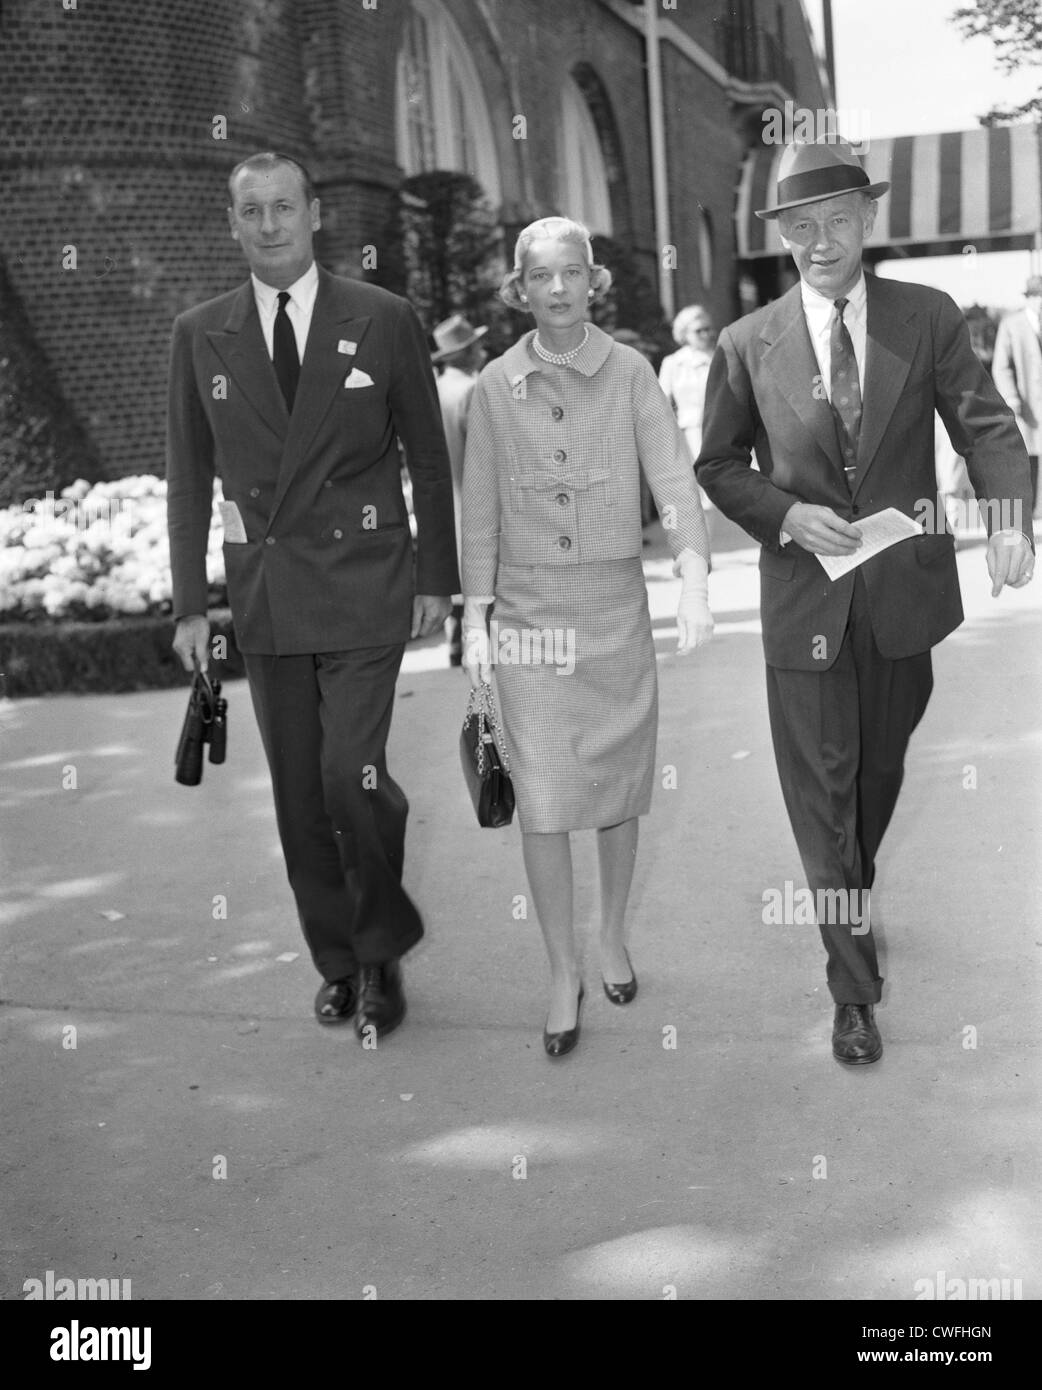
(482, 704)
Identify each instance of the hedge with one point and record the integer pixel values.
(114, 656)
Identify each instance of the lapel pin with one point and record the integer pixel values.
(346, 345)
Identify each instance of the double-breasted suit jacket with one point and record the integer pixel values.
(764, 393)
(327, 562)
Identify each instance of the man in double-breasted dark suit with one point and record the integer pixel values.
(294, 389)
(834, 386)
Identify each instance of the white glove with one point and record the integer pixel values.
(477, 658)
(694, 620)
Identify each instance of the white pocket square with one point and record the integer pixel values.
(358, 378)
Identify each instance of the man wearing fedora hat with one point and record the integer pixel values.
(460, 355)
(834, 387)
(1017, 368)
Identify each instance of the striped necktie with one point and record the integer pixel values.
(846, 391)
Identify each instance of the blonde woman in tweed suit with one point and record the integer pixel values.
(558, 428)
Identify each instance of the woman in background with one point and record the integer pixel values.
(684, 373)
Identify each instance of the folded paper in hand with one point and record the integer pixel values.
(878, 531)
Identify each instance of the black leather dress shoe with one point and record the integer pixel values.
(335, 1002)
(624, 993)
(855, 1037)
(558, 1044)
(381, 999)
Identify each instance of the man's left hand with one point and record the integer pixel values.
(429, 612)
(1010, 561)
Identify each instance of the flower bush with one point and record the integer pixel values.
(93, 552)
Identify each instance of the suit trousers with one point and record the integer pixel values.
(840, 737)
(324, 721)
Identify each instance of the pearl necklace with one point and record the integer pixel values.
(560, 359)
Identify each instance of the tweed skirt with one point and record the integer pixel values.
(578, 692)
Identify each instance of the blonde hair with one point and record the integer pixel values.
(551, 229)
(684, 320)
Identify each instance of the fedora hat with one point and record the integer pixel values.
(808, 173)
(453, 335)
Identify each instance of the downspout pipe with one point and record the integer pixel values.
(659, 181)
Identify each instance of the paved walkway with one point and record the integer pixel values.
(205, 1139)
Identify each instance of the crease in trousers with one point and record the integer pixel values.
(324, 721)
(840, 738)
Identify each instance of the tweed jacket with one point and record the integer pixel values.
(1017, 369)
(326, 561)
(763, 394)
(551, 474)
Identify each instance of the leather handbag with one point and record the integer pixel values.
(486, 766)
(206, 721)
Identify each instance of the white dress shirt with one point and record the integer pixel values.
(301, 303)
(819, 312)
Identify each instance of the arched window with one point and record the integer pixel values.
(442, 119)
(583, 178)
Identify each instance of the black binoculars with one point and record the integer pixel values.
(205, 722)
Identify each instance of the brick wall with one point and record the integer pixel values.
(107, 112)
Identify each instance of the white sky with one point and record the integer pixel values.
(907, 68)
(903, 68)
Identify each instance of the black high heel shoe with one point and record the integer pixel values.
(625, 993)
(558, 1044)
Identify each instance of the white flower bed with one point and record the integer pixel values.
(95, 551)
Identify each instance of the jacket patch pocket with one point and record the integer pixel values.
(777, 564)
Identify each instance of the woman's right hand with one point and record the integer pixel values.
(477, 658)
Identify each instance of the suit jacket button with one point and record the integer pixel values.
(254, 491)
(559, 456)
(557, 413)
(856, 510)
(563, 498)
(565, 543)
(338, 535)
(269, 540)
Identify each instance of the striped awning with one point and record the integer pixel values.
(967, 186)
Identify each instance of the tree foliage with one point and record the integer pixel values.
(42, 446)
(445, 253)
(1015, 29)
(632, 302)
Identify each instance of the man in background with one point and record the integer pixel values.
(460, 355)
(1017, 369)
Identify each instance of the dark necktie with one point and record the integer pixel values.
(287, 363)
(846, 391)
